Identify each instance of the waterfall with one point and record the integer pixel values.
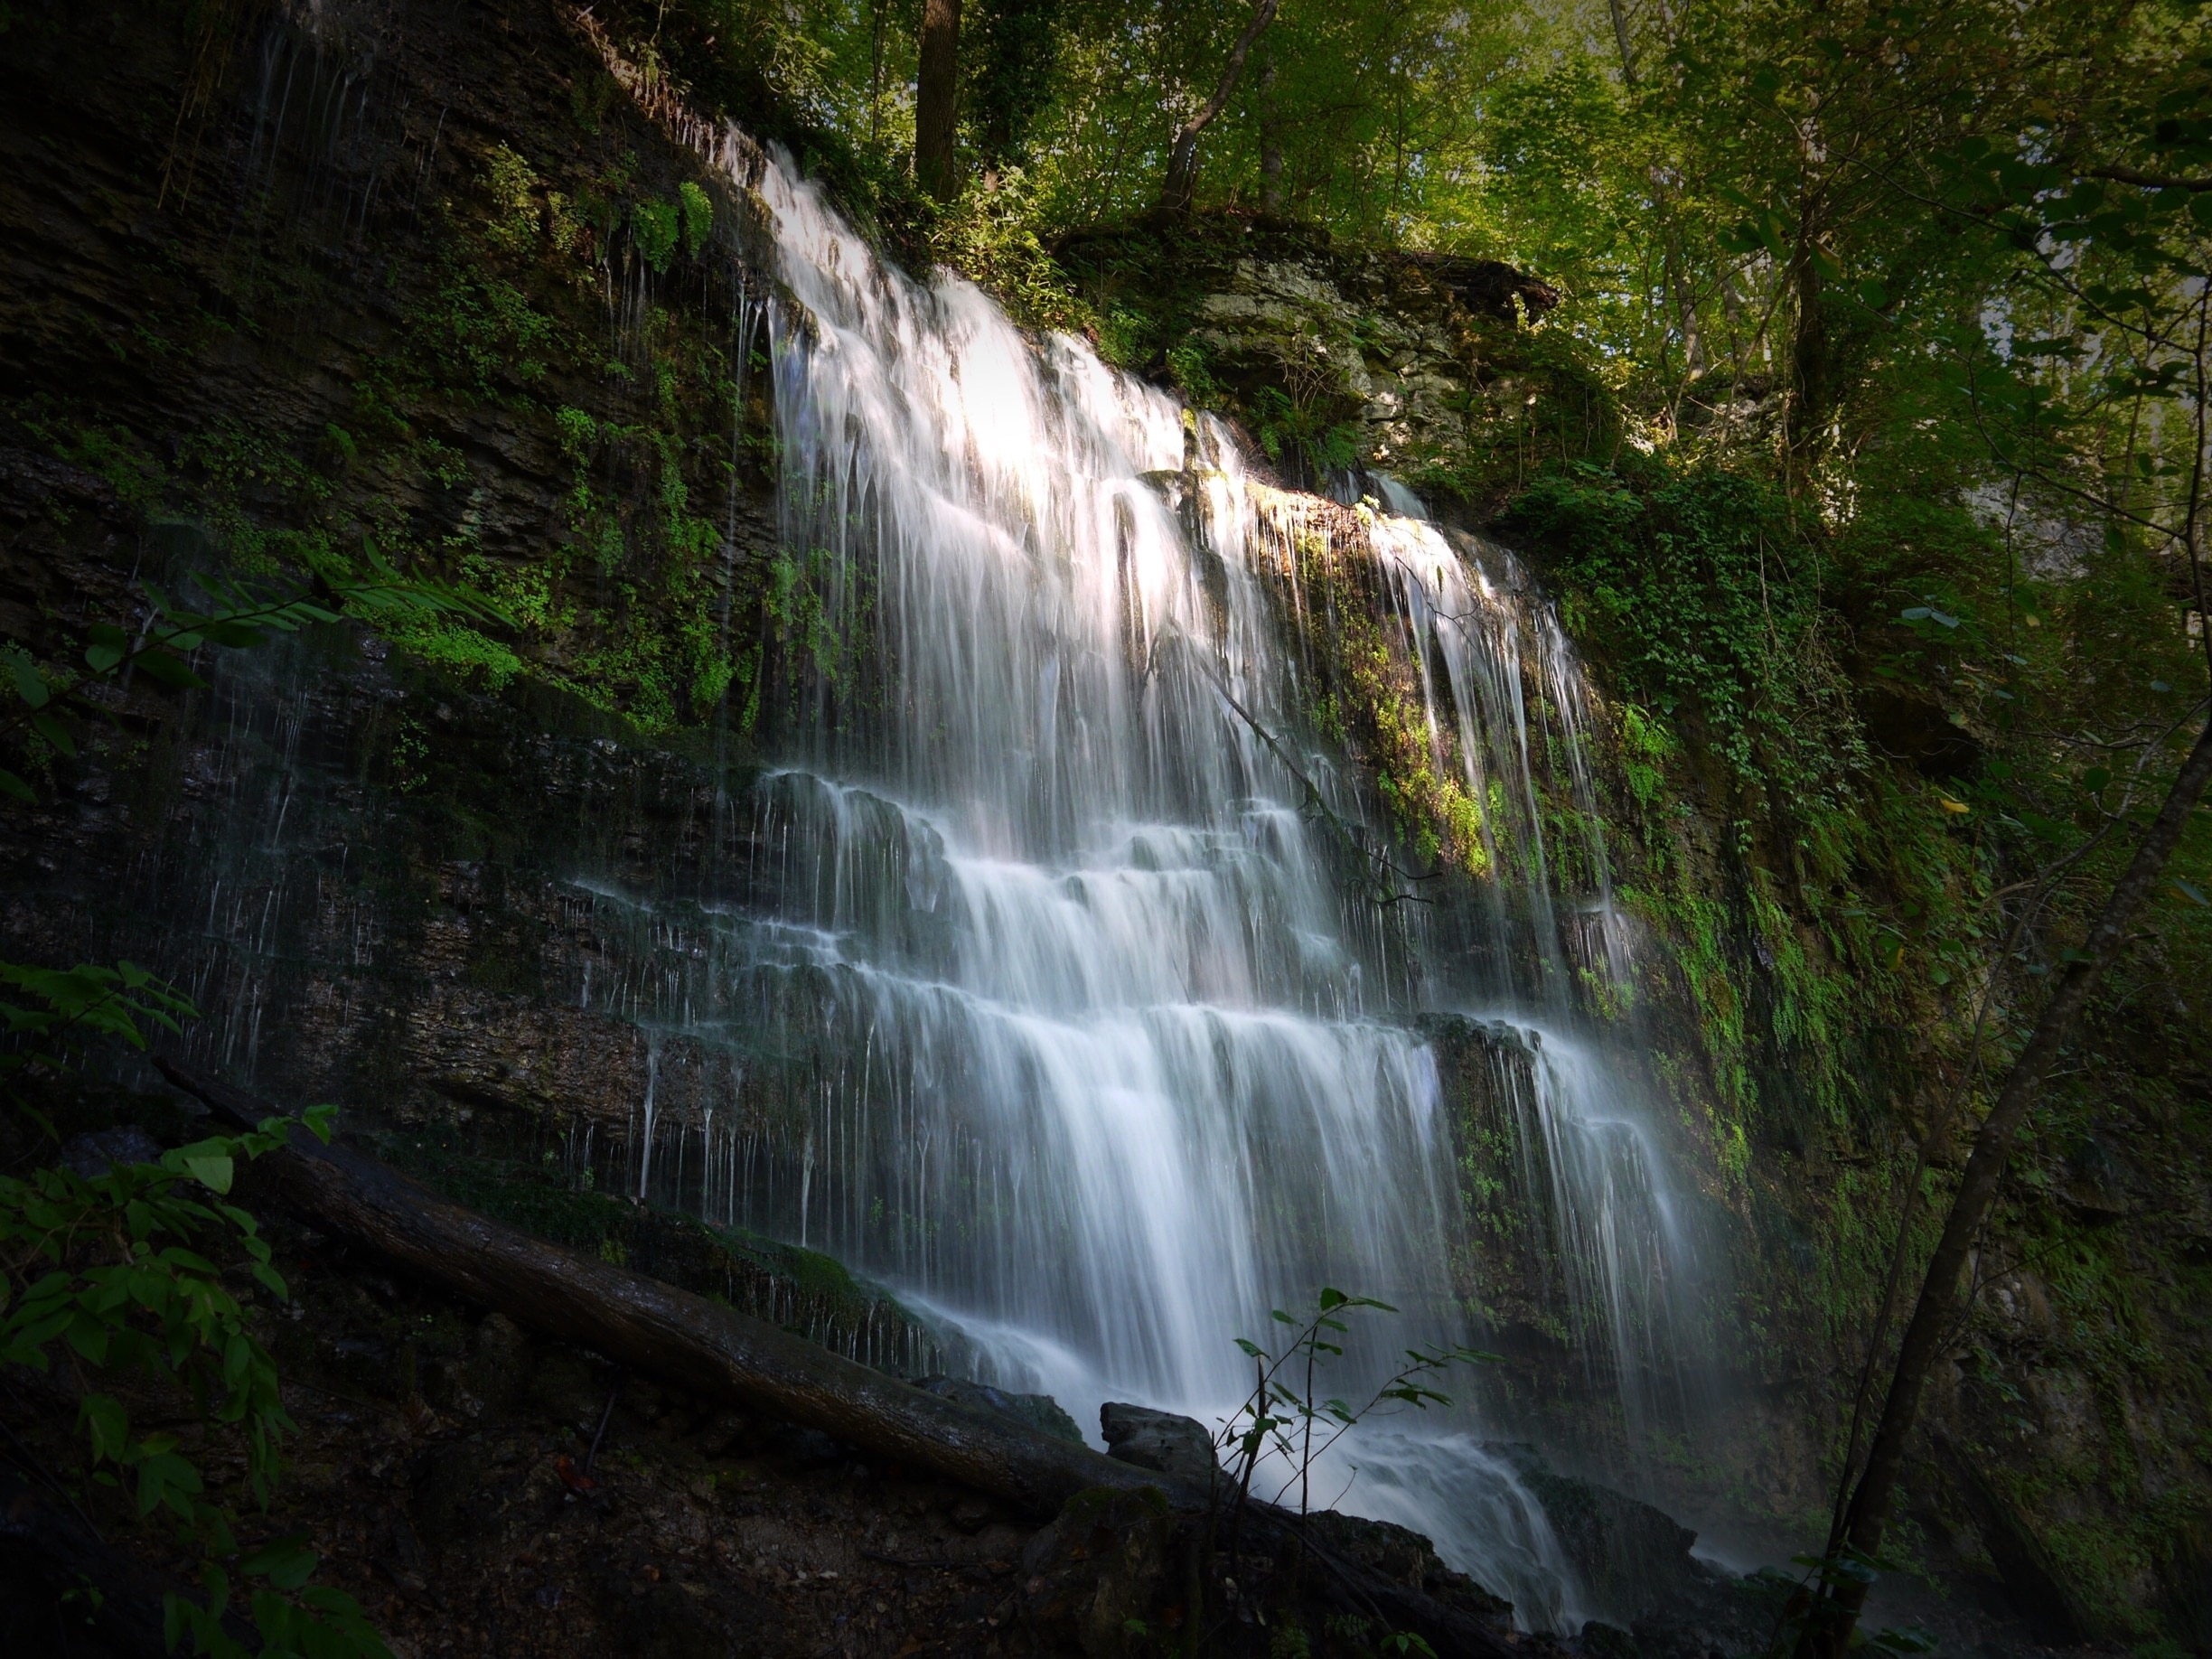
(1057, 1011)
(1038, 977)
(1122, 1089)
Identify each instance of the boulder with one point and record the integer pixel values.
(1631, 1558)
(1176, 1446)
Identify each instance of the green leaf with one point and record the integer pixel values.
(89, 1334)
(107, 647)
(106, 1424)
(10, 784)
(287, 1563)
(168, 1479)
(236, 635)
(213, 1173)
(171, 672)
(55, 733)
(29, 684)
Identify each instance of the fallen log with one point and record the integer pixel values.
(687, 1342)
(682, 1340)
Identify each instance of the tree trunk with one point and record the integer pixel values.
(1270, 144)
(687, 1342)
(937, 102)
(1621, 37)
(1183, 158)
(1809, 389)
(1830, 1632)
(1013, 49)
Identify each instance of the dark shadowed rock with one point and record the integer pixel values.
(91, 1156)
(1176, 1446)
(1632, 1558)
(1487, 285)
(1097, 1569)
(1401, 1553)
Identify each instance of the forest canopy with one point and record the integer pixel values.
(1933, 274)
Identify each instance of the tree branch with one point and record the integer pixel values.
(1183, 160)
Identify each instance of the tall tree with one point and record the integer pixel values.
(1181, 179)
(937, 101)
(1271, 198)
(2102, 211)
(1012, 80)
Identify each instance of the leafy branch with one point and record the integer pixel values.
(1284, 1410)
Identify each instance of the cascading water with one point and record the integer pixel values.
(1114, 1090)
(1587, 1155)
(1049, 997)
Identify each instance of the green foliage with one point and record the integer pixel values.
(73, 1007)
(116, 1276)
(989, 234)
(697, 215)
(655, 228)
(1701, 580)
(513, 189)
(244, 612)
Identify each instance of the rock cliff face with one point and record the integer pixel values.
(256, 309)
(279, 286)
(1421, 368)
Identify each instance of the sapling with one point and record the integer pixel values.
(1284, 1410)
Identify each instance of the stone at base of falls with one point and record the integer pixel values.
(1161, 1440)
(1399, 1552)
(1098, 1566)
(1631, 1558)
(1040, 1412)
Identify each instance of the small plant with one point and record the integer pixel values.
(697, 212)
(653, 228)
(114, 1276)
(1284, 1410)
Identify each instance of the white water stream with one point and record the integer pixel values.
(1080, 1037)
